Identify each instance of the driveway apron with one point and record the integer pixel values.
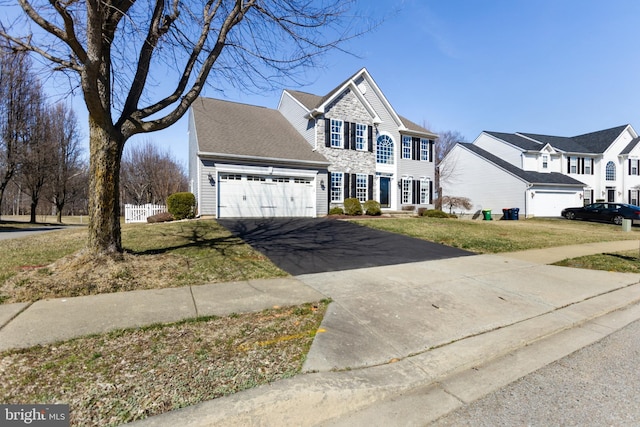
(307, 245)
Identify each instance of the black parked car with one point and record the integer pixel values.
(610, 212)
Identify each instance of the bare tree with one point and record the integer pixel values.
(445, 171)
(38, 163)
(18, 93)
(456, 202)
(149, 175)
(113, 46)
(66, 152)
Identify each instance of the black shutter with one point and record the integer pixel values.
(591, 168)
(346, 186)
(328, 187)
(629, 167)
(582, 165)
(430, 192)
(370, 138)
(568, 165)
(353, 185)
(370, 187)
(353, 136)
(415, 149)
(415, 196)
(431, 151)
(327, 132)
(345, 143)
(629, 198)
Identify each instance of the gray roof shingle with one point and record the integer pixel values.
(592, 143)
(528, 176)
(225, 127)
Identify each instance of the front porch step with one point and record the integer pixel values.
(399, 214)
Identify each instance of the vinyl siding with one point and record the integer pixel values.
(500, 149)
(486, 185)
(194, 183)
(208, 193)
(296, 115)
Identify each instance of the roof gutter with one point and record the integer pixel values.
(266, 159)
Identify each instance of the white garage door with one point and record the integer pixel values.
(258, 196)
(551, 203)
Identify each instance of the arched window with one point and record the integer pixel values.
(384, 150)
(610, 174)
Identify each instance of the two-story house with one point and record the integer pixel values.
(542, 174)
(309, 154)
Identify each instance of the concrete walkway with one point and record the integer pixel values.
(403, 344)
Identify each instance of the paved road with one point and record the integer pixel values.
(306, 245)
(598, 385)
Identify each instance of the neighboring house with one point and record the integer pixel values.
(542, 174)
(309, 155)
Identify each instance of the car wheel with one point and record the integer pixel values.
(570, 215)
(617, 220)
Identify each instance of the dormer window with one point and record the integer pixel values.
(545, 161)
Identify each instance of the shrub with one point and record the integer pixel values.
(182, 205)
(352, 206)
(435, 213)
(337, 210)
(161, 217)
(371, 207)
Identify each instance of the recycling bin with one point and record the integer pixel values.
(515, 213)
(486, 213)
(506, 214)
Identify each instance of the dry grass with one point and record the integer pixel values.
(52, 265)
(127, 375)
(503, 236)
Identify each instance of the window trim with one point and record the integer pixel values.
(361, 139)
(336, 133)
(406, 190)
(337, 189)
(424, 191)
(610, 171)
(407, 147)
(424, 149)
(362, 192)
(388, 147)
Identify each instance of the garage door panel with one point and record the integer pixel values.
(550, 203)
(254, 196)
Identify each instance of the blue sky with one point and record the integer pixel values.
(558, 67)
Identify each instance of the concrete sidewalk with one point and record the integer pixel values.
(403, 344)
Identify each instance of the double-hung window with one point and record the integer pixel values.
(633, 197)
(337, 186)
(337, 134)
(424, 191)
(406, 147)
(587, 165)
(361, 137)
(545, 161)
(633, 167)
(361, 187)
(406, 190)
(573, 165)
(587, 197)
(424, 149)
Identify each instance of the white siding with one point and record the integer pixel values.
(499, 148)
(486, 185)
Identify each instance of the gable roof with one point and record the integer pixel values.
(528, 176)
(238, 130)
(315, 104)
(631, 146)
(592, 143)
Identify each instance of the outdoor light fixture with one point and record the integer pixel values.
(212, 180)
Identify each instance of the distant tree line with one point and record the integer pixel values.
(43, 169)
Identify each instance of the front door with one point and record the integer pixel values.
(611, 195)
(384, 192)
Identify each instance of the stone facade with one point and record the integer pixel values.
(348, 108)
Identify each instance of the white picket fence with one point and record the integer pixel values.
(140, 213)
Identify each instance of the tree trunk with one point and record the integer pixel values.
(104, 180)
(34, 205)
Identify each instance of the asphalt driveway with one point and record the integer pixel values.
(308, 245)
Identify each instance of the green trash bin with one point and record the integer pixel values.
(486, 213)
